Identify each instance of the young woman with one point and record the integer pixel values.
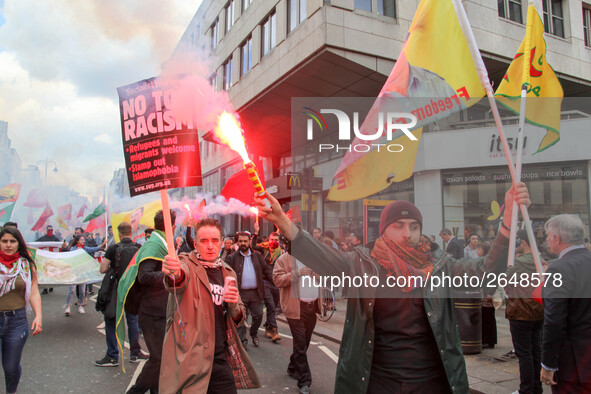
(18, 289)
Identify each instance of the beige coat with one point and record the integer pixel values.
(187, 361)
(286, 277)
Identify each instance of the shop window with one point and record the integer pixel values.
(553, 18)
(510, 9)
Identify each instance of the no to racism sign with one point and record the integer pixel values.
(161, 152)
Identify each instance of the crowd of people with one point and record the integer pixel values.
(192, 306)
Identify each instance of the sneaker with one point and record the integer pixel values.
(81, 310)
(510, 355)
(67, 313)
(107, 362)
(137, 359)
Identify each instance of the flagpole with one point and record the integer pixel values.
(167, 222)
(483, 74)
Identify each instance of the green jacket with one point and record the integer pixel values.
(356, 352)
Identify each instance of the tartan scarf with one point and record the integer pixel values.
(403, 259)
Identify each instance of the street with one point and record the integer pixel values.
(61, 358)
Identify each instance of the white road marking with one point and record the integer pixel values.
(329, 353)
(137, 372)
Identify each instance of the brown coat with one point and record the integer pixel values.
(187, 361)
(286, 275)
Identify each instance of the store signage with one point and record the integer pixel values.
(503, 175)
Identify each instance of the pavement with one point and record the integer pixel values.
(487, 371)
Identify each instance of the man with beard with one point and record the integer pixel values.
(202, 317)
(405, 338)
(250, 268)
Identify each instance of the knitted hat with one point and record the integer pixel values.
(399, 210)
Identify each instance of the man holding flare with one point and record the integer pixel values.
(398, 339)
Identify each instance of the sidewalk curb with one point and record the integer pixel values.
(317, 333)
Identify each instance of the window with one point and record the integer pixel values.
(228, 73)
(553, 19)
(387, 8)
(296, 13)
(363, 5)
(245, 4)
(510, 9)
(587, 26)
(214, 34)
(229, 15)
(269, 36)
(246, 56)
(212, 79)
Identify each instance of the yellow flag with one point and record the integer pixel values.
(144, 214)
(544, 92)
(434, 76)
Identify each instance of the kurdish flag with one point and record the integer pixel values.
(6, 212)
(530, 68)
(10, 192)
(98, 211)
(434, 76)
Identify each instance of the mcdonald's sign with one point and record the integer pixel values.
(294, 182)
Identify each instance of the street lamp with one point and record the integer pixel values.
(47, 162)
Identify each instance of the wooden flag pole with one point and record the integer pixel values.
(167, 222)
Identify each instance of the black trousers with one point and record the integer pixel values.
(301, 331)
(253, 304)
(527, 341)
(153, 328)
(489, 326)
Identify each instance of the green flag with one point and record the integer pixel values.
(98, 211)
(6, 212)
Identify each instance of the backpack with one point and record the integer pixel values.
(106, 300)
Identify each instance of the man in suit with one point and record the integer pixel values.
(455, 247)
(566, 343)
(250, 268)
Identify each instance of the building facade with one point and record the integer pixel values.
(264, 53)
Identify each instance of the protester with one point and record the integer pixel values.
(471, 250)
(79, 242)
(489, 321)
(18, 289)
(566, 343)
(271, 252)
(49, 235)
(330, 235)
(227, 250)
(455, 247)
(317, 234)
(152, 310)
(10, 224)
(117, 258)
(525, 315)
(251, 269)
(300, 305)
(398, 339)
(201, 328)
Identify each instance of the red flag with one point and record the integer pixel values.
(46, 214)
(294, 214)
(240, 187)
(81, 211)
(65, 211)
(36, 199)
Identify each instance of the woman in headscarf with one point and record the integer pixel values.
(18, 289)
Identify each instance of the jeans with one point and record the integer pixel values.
(270, 304)
(253, 304)
(301, 331)
(72, 291)
(133, 332)
(14, 330)
(527, 341)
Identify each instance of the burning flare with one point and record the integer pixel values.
(229, 132)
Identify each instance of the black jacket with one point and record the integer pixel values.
(455, 247)
(566, 342)
(261, 269)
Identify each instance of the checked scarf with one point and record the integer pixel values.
(403, 260)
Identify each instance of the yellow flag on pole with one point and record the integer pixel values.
(544, 92)
(434, 76)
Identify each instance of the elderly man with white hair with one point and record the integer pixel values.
(566, 343)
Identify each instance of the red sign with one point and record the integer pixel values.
(161, 152)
